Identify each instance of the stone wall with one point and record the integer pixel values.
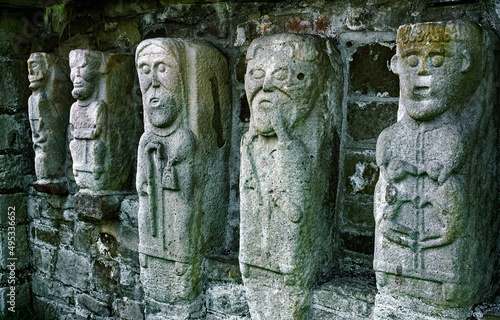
(72, 268)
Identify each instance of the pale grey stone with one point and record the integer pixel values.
(228, 299)
(101, 123)
(43, 259)
(90, 303)
(180, 310)
(435, 199)
(48, 109)
(129, 309)
(293, 84)
(182, 178)
(48, 288)
(72, 269)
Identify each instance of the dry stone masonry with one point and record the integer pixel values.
(434, 201)
(286, 229)
(272, 160)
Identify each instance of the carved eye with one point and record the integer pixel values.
(162, 67)
(301, 76)
(258, 73)
(412, 61)
(281, 74)
(145, 69)
(437, 60)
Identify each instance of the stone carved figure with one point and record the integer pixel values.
(293, 84)
(102, 125)
(48, 109)
(433, 203)
(182, 159)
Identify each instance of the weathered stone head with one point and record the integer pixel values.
(439, 65)
(85, 69)
(284, 78)
(37, 69)
(159, 67)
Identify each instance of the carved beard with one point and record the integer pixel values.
(162, 113)
(82, 93)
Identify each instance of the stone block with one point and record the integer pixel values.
(85, 238)
(129, 309)
(12, 170)
(72, 269)
(287, 176)
(228, 299)
(12, 132)
(128, 211)
(181, 310)
(182, 176)
(12, 208)
(14, 248)
(367, 120)
(54, 290)
(14, 298)
(106, 275)
(44, 234)
(361, 172)
(354, 240)
(369, 71)
(13, 85)
(122, 34)
(90, 303)
(358, 211)
(223, 269)
(44, 259)
(49, 309)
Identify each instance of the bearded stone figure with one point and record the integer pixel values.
(294, 88)
(435, 199)
(102, 126)
(48, 109)
(182, 177)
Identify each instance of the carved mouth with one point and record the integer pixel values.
(154, 102)
(265, 104)
(421, 90)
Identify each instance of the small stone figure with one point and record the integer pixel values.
(48, 109)
(102, 125)
(293, 84)
(434, 200)
(182, 164)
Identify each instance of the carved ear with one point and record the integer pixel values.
(394, 64)
(466, 61)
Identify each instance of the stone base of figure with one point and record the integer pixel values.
(90, 206)
(169, 281)
(271, 295)
(51, 186)
(184, 310)
(394, 304)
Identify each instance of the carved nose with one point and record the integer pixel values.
(268, 84)
(155, 81)
(424, 69)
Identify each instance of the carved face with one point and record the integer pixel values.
(161, 85)
(277, 82)
(36, 71)
(84, 74)
(433, 78)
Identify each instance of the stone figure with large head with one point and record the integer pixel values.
(102, 125)
(181, 169)
(433, 203)
(293, 84)
(48, 109)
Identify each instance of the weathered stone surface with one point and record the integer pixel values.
(129, 309)
(367, 120)
(228, 299)
(361, 172)
(370, 73)
(13, 84)
(14, 248)
(48, 109)
(44, 259)
(285, 181)
(182, 178)
(12, 208)
(52, 289)
(12, 170)
(101, 121)
(72, 269)
(344, 299)
(44, 234)
(90, 303)
(435, 200)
